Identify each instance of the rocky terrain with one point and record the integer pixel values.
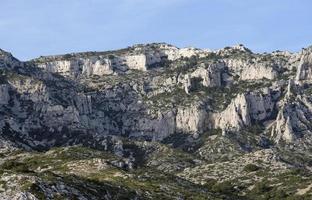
(157, 122)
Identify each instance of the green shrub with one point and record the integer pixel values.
(251, 168)
(262, 187)
(111, 56)
(223, 188)
(210, 183)
(15, 166)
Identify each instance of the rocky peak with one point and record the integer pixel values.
(234, 49)
(242, 48)
(7, 60)
(4, 54)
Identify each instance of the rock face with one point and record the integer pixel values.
(191, 119)
(211, 76)
(140, 58)
(304, 71)
(293, 120)
(136, 62)
(151, 92)
(174, 53)
(161, 127)
(247, 108)
(75, 65)
(63, 67)
(251, 69)
(261, 103)
(283, 129)
(235, 116)
(75, 68)
(119, 118)
(206, 75)
(94, 66)
(97, 67)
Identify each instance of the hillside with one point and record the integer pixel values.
(155, 121)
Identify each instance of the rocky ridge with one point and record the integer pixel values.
(213, 106)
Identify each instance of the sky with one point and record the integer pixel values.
(31, 28)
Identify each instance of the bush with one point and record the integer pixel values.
(210, 183)
(111, 56)
(251, 168)
(262, 187)
(15, 166)
(224, 188)
(67, 56)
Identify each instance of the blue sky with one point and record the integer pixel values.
(30, 28)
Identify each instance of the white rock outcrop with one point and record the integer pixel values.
(93, 66)
(283, 129)
(235, 116)
(293, 120)
(100, 65)
(206, 75)
(191, 119)
(211, 75)
(159, 128)
(245, 108)
(304, 69)
(64, 67)
(76, 67)
(137, 62)
(261, 104)
(187, 84)
(247, 70)
(174, 53)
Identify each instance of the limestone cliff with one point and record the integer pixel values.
(304, 71)
(154, 91)
(156, 121)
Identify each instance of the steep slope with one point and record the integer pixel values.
(155, 107)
